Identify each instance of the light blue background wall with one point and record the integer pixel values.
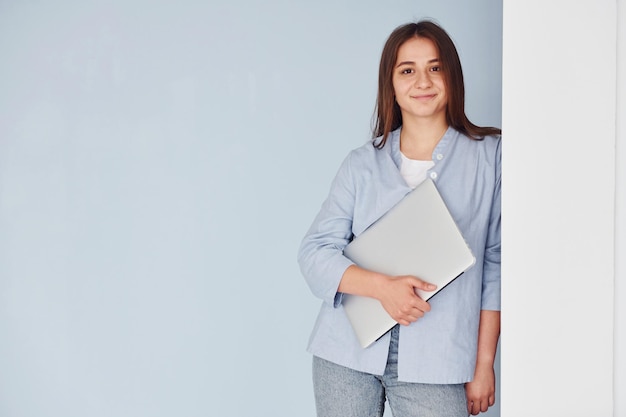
(159, 163)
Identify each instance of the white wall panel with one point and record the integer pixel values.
(620, 199)
(559, 72)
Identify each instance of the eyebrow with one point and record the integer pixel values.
(432, 61)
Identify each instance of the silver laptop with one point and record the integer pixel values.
(419, 237)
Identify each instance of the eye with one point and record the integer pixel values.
(406, 71)
(436, 68)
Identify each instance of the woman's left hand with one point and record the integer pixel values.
(481, 391)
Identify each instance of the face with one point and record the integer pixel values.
(418, 81)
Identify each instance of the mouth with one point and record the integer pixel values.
(424, 97)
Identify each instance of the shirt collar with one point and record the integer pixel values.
(394, 144)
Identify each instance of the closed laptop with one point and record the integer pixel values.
(418, 237)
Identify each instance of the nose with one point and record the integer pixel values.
(422, 79)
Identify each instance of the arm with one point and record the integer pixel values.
(481, 391)
(330, 274)
(396, 294)
(320, 255)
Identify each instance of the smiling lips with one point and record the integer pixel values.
(424, 97)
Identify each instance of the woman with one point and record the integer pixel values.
(439, 360)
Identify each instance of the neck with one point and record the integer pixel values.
(418, 139)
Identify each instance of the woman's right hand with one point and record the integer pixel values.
(396, 294)
(398, 297)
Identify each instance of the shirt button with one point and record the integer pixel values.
(433, 175)
(439, 156)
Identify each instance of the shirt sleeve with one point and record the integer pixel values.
(491, 264)
(320, 255)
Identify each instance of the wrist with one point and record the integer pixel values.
(378, 284)
(485, 362)
(359, 281)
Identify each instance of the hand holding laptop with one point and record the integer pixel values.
(397, 294)
(401, 301)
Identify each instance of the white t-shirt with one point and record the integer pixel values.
(414, 171)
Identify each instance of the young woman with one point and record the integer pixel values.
(438, 361)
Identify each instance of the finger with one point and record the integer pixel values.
(423, 285)
(484, 406)
(405, 320)
(414, 308)
(418, 283)
(477, 407)
(421, 305)
(415, 313)
(404, 317)
(472, 408)
(419, 310)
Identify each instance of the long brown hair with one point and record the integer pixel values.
(388, 115)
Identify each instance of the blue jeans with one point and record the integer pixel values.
(344, 392)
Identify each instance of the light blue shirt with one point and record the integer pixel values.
(441, 347)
